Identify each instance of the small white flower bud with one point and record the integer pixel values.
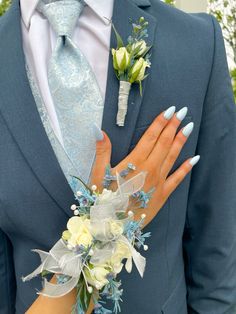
(78, 193)
(91, 252)
(76, 212)
(143, 216)
(94, 187)
(130, 213)
(70, 247)
(145, 247)
(97, 287)
(73, 207)
(90, 289)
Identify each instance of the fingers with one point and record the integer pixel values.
(163, 145)
(178, 176)
(176, 148)
(149, 138)
(102, 159)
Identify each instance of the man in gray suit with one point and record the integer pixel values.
(191, 264)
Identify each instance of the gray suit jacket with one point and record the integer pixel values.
(191, 263)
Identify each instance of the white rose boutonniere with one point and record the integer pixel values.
(130, 63)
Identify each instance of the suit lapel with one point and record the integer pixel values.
(123, 11)
(19, 110)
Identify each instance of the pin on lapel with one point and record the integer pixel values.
(130, 63)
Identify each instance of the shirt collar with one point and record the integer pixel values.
(103, 8)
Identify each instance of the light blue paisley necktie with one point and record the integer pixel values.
(73, 86)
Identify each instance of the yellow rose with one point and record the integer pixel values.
(137, 73)
(79, 228)
(121, 59)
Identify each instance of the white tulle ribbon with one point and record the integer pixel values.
(59, 260)
(62, 260)
(101, 214)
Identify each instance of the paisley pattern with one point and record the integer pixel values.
(66, 164)
(75, 92)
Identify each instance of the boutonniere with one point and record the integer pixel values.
(130, 63)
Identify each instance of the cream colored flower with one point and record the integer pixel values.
(96, 276)
(121, 59)
(79, 228)
(142, 47)
(137, 73)
(106, 196)
(116, 228)
(122, 251)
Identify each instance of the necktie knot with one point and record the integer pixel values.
(62, 15)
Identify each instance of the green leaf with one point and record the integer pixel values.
(84, 184)
(140, 88)
(119, 40)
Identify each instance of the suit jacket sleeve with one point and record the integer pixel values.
(210, 232)
(7, 276)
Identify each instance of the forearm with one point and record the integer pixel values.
(46, 305)
(61, 305)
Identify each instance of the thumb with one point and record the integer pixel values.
(103, 157)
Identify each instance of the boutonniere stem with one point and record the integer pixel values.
(123, 102)
(130, 63)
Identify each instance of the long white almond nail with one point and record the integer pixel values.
(187, 130)
(194, 160)
(168, 114)
(181, 114)
(97, 133)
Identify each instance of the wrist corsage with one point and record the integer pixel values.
(101, 238)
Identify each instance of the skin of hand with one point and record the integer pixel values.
(156, 153)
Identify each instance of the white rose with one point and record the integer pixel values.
(79, 228)
(142, 47)
(97, 276)
(106, 196)
(121, 59)
(122, 251)
(138, 70)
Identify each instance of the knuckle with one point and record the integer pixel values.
(165, 139)
(160, 120)
(172, 156)
(101, 150)
(180, 139)
(151, 135)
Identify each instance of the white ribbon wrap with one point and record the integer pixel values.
(123, 102)
(62, 260)
(59, 260)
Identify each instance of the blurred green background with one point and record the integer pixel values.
(223, 10)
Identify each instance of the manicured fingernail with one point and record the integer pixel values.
(194, 160)
(97, 132)
(187, 130)
(181, 114)
(168, 114)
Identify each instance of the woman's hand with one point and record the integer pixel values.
(156, 153)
